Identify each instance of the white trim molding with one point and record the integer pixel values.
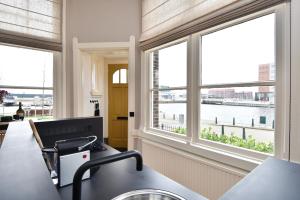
(77, 79)
(59, 87)
(131, 91)
(64, 60)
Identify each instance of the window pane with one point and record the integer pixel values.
(240, 116)
(169, 66)
(37, 104)
(241, 53)
(116, 76)
(25, 67)
(123, 75)
(167, 115)
(170, 117)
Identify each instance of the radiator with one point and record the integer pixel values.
(206, 177)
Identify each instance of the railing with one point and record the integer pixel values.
(243, 128)
(252, 124)
(241, 131)
(172, 128)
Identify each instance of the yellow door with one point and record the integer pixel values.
(118, 105)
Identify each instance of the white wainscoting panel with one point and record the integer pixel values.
(206, 177)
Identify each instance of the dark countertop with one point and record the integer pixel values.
(24, 175)
(117, 178)
(273, 180)
(23, 172)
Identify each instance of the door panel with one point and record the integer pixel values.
(118, 106)
(115, 102)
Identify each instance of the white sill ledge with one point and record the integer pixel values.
(234, 160)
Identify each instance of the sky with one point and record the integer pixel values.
(230, 55)
(24, 67)
(171, 60)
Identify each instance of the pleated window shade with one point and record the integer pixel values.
(35, 23)
(167, 20)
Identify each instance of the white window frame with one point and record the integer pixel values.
(191, 141)
(282, 86)
(149, 90)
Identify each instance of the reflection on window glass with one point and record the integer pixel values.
(116, 77)
(123, 75)
(241, 53)
(242, 116)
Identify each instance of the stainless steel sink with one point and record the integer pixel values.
(148, 194)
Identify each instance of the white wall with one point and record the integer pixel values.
(101, 21)
(88, 63)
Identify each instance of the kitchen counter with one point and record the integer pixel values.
(273, 180)
(23, 172)
(24, 175)
(120, 177)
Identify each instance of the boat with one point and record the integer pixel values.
(9, 100)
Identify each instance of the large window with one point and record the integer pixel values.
(168, 88)
(27, 76)
(237, 87)
(225, 87)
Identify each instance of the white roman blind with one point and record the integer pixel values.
(35, 23)
(167, 20)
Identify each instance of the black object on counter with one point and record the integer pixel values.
(16, 117)
(70, 148)
(6, 119)
(20, 112)
(75, 145)
(52, 131)
(97, 110)
(94, 163)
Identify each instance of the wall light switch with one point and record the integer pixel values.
(131, 114)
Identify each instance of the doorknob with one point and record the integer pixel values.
(122, 118)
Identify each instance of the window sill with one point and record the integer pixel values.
(219, 155)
